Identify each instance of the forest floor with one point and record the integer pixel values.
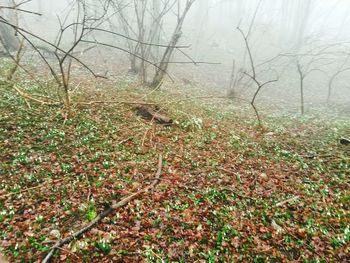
(230, 191)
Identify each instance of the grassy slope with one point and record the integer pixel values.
(221, 195)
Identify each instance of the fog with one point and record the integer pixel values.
(293, 45)
(174, 130)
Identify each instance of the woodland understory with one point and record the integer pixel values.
(215, 186)
(119, 143)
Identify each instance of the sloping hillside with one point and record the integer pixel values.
(229, 191)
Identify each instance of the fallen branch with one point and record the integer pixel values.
(105, 213)
(153, 115)
(344, 141)
(27, 96)
(294, 198)
(113, 102)
(125, 140)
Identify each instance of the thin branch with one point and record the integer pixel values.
(193, 62)
(129, 52)
(20, 10)
(253, 76)
(135, 40)
(20, 30)
(248, 50)
(27, 96)
(22, 3)
(253, 19)
(115, 102)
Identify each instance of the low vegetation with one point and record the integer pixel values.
(229, 190)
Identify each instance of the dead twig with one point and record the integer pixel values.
(287, 201)
(125, 140)
(114, 102)
(27, 96)
(105, 213)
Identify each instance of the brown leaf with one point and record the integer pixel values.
(63, 257)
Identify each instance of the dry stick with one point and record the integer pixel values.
(26, 96)
(149, 128)
(114, 102)
(125, 140)
(287, 201)
(105, 213)
(146, 132)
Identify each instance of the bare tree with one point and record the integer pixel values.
(146, 28)
(61, 69)
(253, 76)
(339, 70)
(302, 75)
(140, 11)
(8, 37)
(72, 36)
(316, 59)
(157, 25)
(164, 63)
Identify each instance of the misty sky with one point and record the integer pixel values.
(281, 26)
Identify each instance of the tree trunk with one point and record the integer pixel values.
(302, 107)
(330, 87)
(163, 66)
(8, 38)
(156, 27)
(301, 83)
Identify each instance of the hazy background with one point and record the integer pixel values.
(314, 32)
